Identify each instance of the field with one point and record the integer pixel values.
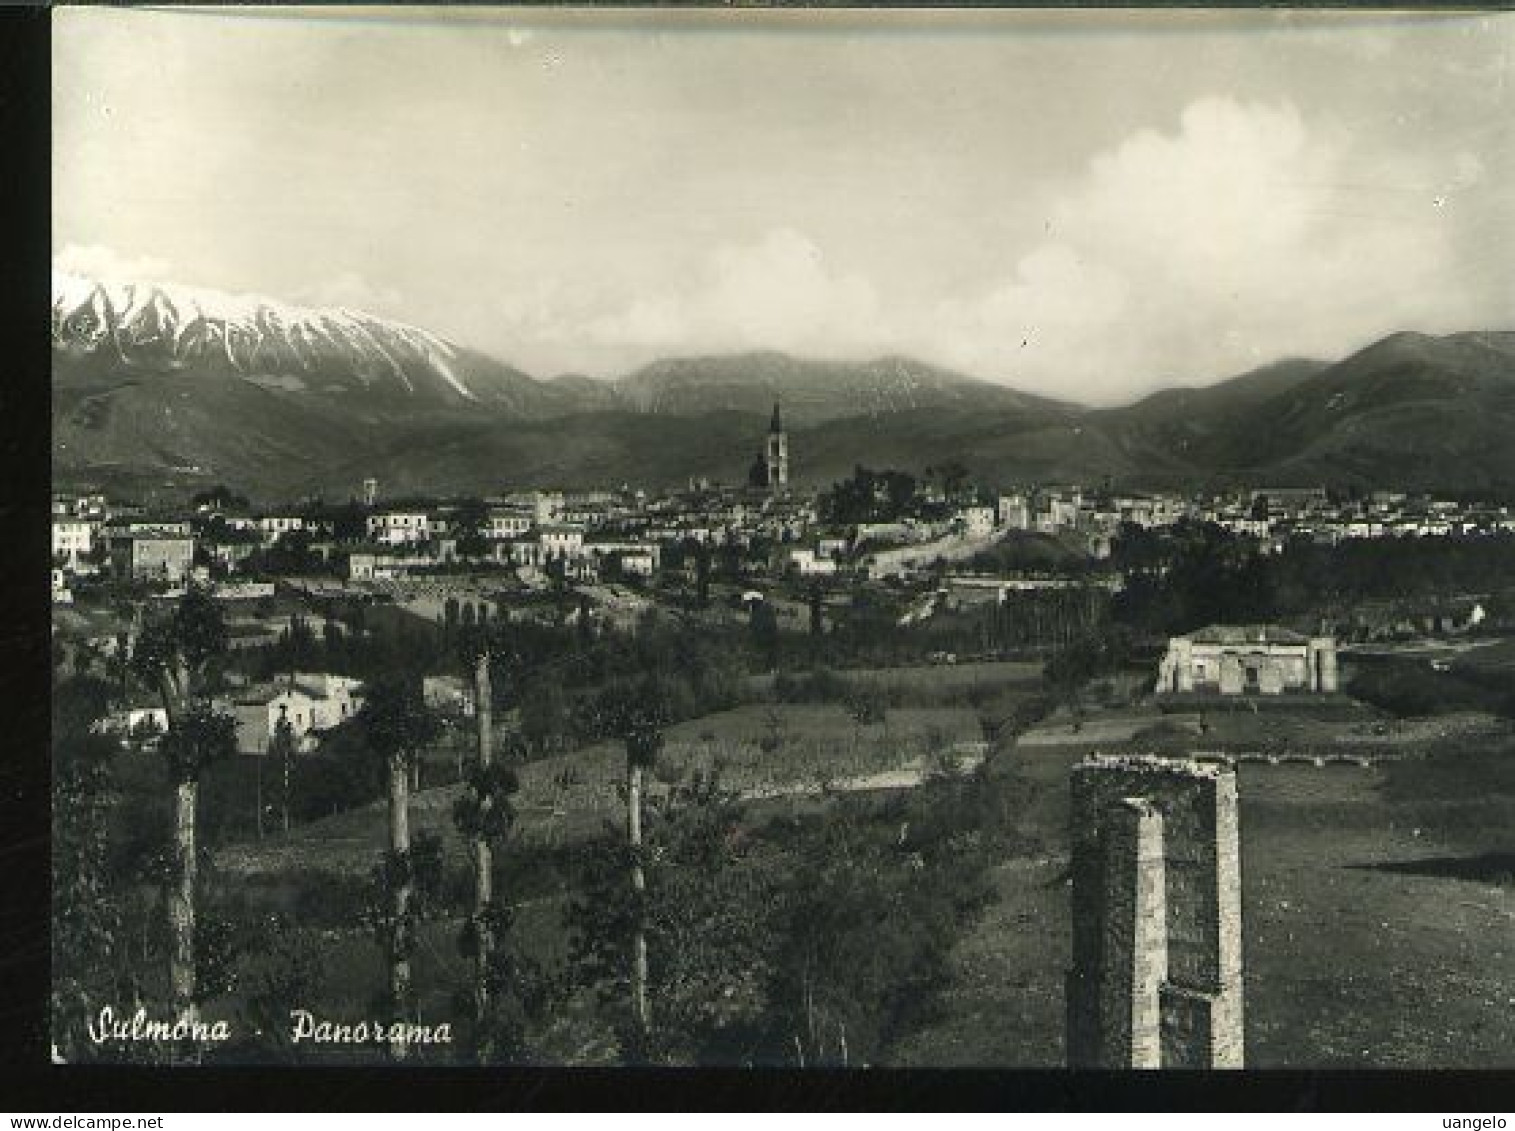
(935, 683)
(1378, 900)
(1371, 939)
(568, 797)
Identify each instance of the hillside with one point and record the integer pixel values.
(174, 388)
(106, 330)
(813, 392)
(1411, 410)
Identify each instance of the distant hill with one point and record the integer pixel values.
(1411, 410)
(173, 388)
(812, 392)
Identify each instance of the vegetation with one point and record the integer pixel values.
(760, 907)
(398, 726)
(810, 941)
(868, 496)
(1192, 574)
(174, 652)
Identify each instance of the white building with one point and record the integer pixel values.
(141, 723)
(560, 540)
(635, 559)
(72, 541)
(311, 703)
(398, 528)
(449, 693)
(1248, 659)
(810, 564)
(383, 566)
(978, 522)
(274, 527)
(1015, 512)
(505, 525)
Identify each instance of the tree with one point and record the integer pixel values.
(285, 973)
(174, 653)
(544, 712)
(398, 726)
(484, 814)
(702, 574)
(220, 497)
(763, 622)
(85, 917)
(706, 914)
(869, 496)
(281, 751)
(585, 622)
(637, 713)
(469, 523)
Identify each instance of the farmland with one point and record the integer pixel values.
(1378, 900)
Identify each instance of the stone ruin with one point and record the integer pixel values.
(1156, 980)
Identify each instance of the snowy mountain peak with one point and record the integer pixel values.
(161, 327)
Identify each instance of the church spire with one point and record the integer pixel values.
(776, 453)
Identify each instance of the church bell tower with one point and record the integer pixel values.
(776, 454)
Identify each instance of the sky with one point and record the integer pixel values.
(1089, 205)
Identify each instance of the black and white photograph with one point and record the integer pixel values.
(782, 538)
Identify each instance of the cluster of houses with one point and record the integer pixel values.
(1277, 514)
(1273, 515)
(612, 535)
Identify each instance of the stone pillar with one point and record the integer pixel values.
(1232, 679)
(1135, 959)
(1141, 824)
(1324, 654)
(1181, 649)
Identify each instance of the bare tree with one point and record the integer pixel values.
(282, 746)
(484, 815)
(173, 654)
(398, 726)
(637, 713)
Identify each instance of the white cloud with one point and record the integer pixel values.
(352, 290)
(96, 261)
(1242, 234)
(1193, 255)
(779, 293)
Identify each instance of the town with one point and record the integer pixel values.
(860, 640)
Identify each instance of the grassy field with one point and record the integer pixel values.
(568, 797)
(937, 683)
(1365, 944)
(1356, 731)
(1491, 656)
(1378, 902)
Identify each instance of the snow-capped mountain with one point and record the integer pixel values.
(139, 327)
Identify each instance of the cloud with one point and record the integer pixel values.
(1191, 255)
(352, 290)
(1240, 233)
(779, 292)
(95, 261)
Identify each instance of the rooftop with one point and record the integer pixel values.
(1247, 634)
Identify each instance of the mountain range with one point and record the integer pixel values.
(160, 388)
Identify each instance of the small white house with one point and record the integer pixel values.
(311, 703)
(977, 522)
(398, 528)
